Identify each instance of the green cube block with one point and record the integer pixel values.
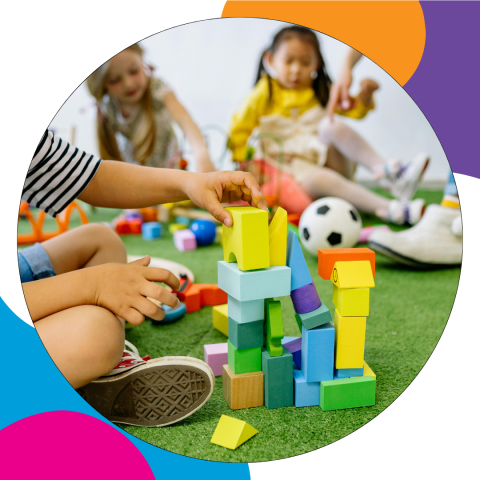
(245, 335)
(314, 319)
(245, 360)
(274, 328)
(347, 393)
(278, 379)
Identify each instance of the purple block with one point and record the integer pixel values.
(185, 240)
(295, 348)
(216, 355)
(305, 299)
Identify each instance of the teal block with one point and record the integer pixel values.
(314, 319)
(245, 311)
(245, 360)
(307, 394)
(274, 328)
(254, 284)
(278, 379)
(318, 347)
(245, 335)
(348, 372)
(296, 261)
(347, 393)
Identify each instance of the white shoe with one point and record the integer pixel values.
(429, 243)
(405, 179)
(406, 213)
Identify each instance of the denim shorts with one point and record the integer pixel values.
(34, 264)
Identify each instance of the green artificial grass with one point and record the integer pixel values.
(408, 313)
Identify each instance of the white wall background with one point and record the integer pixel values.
(211, 66)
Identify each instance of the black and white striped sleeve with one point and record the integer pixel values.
(58, 174)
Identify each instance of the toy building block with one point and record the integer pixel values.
(244, 361)
(122, 226)
(245, 335)
(183, 220)
(349, 341)
(175, 227)
(257, 285)
(353, 275)
(215, 356)
(244, 390)
(149, 214)
(220, 318)
(288, 339)
(246, 241)
(278, 238)
(352, 302)
(171, 314)
(278, 373)
(244, 312)
(199, 295)
(307, 394)
(296, 261)
(367, 371)
(347, 393)
(295, 348)
(348, 372)
(318, 353)
(329, 256)
(231, 432)
(151, 230)
(274, 328)
(185, 240)
(135, 226)
(305, 299)
(314, 319)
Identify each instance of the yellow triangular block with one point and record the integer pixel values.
(367, 371)
(356, 274)
(231, 432)
(277, 232)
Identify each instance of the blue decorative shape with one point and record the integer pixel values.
(307, 394)
(151, 230)
(171, 314)
(204, 230)
(296, 261)
(318, 353)
(183, 220)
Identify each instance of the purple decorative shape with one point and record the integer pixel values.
(305, 299)
(295, 348)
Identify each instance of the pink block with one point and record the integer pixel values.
(185, 240)
(216, 355)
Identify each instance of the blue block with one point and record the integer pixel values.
(244, 312)
(254, 284)
(318, 353)
(151, 230)
(295, 348)
(183, 220)
(348, 372)
(307, 394)
(288, 339)
(296, 261)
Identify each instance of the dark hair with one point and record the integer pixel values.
(321, 84)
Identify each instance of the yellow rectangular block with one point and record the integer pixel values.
(247, 240)
(220, 318)
(351, 302)
(356, 274)
(349, 341)
(278, 238)
(367, 371)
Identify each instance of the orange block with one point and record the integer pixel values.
(328, 256)
(200, 295)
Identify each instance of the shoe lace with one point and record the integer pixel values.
(133, 353)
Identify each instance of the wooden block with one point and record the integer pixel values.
(244, 312)
(347, 393)
(185, 240)
(353, 275)
(278, 379)
(329, 256)
(314, 319)
(296, 261)
(305, 299)
(257, 285)
(307, 394)
(318, 353)
(215, 356)
(367, 371)
(220, 318)
(244, 361)
(244, 390)
(274, 328)
(277, 232)
(246, 241)
(349, 341)
(245, 335)
(352, 302)
(348, 372)
(231, 432)
(295, 348)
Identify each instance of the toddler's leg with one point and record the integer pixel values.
(336, 161)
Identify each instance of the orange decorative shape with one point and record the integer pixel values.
(327, 257)
(149, 214)
(200, 295)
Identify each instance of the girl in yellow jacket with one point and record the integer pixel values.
(289, 103)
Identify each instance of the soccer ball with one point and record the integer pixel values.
(329, 223)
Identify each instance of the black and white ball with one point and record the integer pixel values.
(329, 223)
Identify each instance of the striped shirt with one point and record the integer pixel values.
(58, 174)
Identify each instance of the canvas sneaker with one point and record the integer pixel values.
(406, 213)
(150, 393)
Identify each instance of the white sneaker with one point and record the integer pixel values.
(405, 179)
(406, 213)
(429, 243)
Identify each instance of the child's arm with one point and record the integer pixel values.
(192, 132)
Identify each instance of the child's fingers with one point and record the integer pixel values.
(149, 309)
(213, 205)
(159, 293)
(144, 261)
(253, 190)
(161, 275)
(133, 316)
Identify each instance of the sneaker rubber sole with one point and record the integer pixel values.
(161, 392)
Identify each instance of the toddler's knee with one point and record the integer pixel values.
(108, 239)
(329, 129)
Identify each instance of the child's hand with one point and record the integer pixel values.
(123, 289)
(367, 87)
(209, 190)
